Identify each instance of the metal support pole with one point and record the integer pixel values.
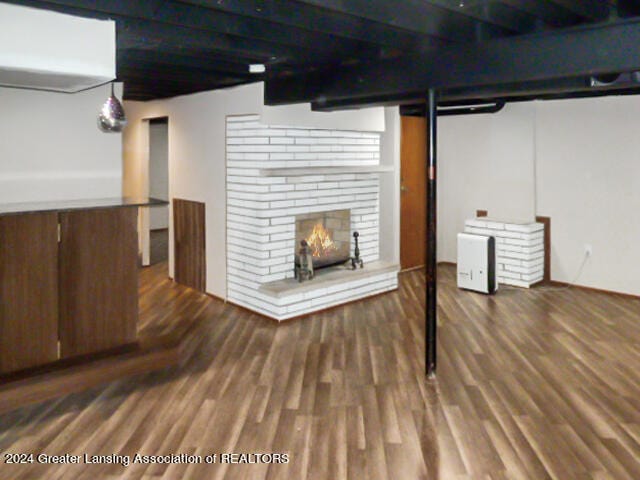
(432, 222)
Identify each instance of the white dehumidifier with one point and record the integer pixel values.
(477, 263)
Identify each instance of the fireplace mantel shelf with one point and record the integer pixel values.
(301, 171)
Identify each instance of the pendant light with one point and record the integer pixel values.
(112, 117)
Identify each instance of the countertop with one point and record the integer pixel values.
(86, 204)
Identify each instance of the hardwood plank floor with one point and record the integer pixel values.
(532, 384)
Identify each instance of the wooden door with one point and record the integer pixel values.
(98, 280)
(413, 206)
(28, 290)
(189, 243)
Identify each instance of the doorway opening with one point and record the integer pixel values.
(159, 188)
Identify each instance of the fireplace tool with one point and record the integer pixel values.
(356, 260)
(304, 271)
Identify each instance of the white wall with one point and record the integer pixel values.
(389, 187)
(159, 173)
(197, 153)
(51, 148)
(588, 182)
(576, 161)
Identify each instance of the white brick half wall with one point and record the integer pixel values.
(262, 204)
(519, 249)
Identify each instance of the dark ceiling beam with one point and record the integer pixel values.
(459, 96)
(145, 91)
(366, 102)
(295, 14)
(138, 33)
(159, 60)
(456, 96)
(127, 42)
(200, 20)
(543, 90)
(628, 8)
(597, 49)
(417, 16)
(174, 75)
(549, 13)
(504, 16)
(206, 60)
(595, 10)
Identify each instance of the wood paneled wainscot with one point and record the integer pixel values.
(189, 253)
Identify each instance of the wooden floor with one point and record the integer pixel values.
(531, 385)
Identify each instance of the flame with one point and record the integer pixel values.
(320, 241)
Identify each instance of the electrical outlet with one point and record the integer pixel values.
(588, 249)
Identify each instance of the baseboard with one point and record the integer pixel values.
(405, 270)
(411, 269)
(556, 283)
(215, 297)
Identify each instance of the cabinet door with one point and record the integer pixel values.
(28, 290)
(98, 280)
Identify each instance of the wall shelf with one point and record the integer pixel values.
(302, 171)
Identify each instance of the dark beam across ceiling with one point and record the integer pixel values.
(597, 49)
(158, 20)
(289, 13)
(597, 10)
(157, 61)
(346, 51)
(493, 12)
(547, 12)
(421, 17)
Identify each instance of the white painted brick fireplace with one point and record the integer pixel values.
(275, 173)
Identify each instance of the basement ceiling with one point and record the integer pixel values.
(320, 50)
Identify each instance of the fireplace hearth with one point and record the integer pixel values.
(328, 236)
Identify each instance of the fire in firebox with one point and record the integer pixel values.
(328, 235)
(320, 241)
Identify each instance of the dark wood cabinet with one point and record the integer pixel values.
(68, 280)
(98, 280)
(28, 290)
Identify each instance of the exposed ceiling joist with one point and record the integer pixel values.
(421, 17)
(299, 15)
(188, 24)
(601, 48)
(347, 51)
(462, 96)
(144, 90)
(547, 12)
(504, 16)
(159, 61)
(598, 10)
(142, 32)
